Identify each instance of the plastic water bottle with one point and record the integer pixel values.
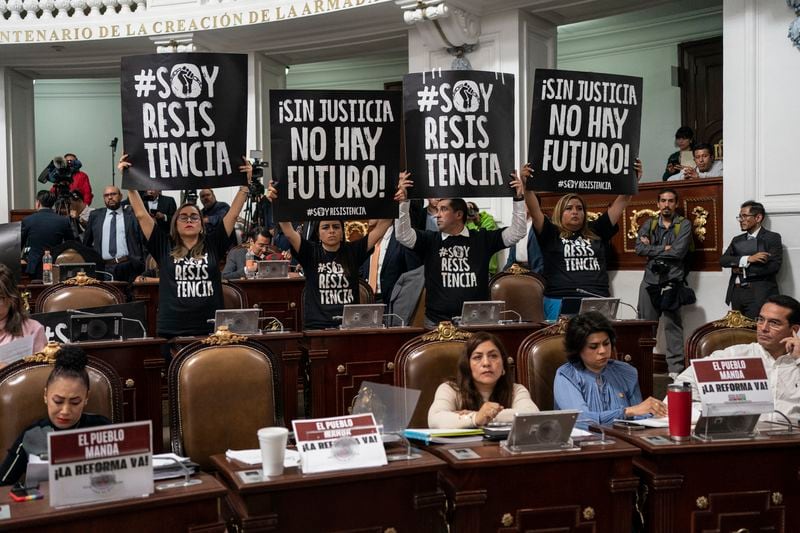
(250, 265)
(47, 268)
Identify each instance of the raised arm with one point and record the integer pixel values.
(403, 231)
(229, 221)
(621, 202)
(518, 228)
(146, 222)
(378, 232)
(532, 202)
(287, 228)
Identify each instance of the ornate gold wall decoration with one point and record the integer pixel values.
(699, 222)
(636, 215)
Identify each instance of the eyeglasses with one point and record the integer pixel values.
(187, 218)
(739, 218)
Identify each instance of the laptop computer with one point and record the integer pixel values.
(570, 306)
(482, 313)
(95, 327)
(362, 316)
(726, 427)
(542, 431)
(70, 270)
(605, 306)
(273, 269)
(243, 321)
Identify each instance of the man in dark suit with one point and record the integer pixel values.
(754, 258)
(387, 262)
(43, 230)
(115, 234)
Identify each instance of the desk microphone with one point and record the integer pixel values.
(134, 320)
(587, 293)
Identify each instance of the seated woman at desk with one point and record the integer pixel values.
(14, 321)
(330, 266)
(600, 387)
(483, 392)
(65, 394)
(574, 248)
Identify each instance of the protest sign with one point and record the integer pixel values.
(584, 132)
(184, 120)
(335, 154)
(100, 463)
(339, 443)
(459, 133)
(733, 386)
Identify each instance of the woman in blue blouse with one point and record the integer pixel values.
(592, 381)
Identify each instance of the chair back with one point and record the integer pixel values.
(522, 291)
(365, 293)
(233, 297)
(69, 255)
(222, 390)
(538, 358)
(79, 292)
(22, 394)
(427, 361)
(734, 328)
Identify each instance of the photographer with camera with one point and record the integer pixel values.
(74, 177)
(665, 241)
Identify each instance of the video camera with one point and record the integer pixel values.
(256, 185)
(59, 172)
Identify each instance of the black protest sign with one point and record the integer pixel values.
(184, 120)
(585, 132)
(335, 154)
(459, 133)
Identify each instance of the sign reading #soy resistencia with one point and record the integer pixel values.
(184, 120)
(459, 133)
(335, 154)
(585, 132)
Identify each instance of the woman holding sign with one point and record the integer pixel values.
(574, 248)
(483, 391)
(190, 285)
(65, 395)
(330, 266)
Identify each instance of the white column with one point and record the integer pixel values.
(761, 104)
(513, 42)
(17, 164)
(265, 74)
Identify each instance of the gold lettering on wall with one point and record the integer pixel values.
(67, 32)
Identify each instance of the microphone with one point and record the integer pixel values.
(587, 293)
(134, 320)
(59, 162)
(113, 144)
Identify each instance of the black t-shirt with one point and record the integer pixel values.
(33, 441)
(456, 269)
(576, 262)
(331, 280)
(189, 290)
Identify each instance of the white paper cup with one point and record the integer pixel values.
(273, 449)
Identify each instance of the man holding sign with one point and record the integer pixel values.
(778, 347)
(456, 259)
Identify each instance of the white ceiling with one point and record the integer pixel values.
(369, 30)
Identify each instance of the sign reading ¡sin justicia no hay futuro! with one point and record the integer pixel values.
(184, 119)
(585, 130)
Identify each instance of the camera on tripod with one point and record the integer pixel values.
(59, 172)
(256, 186)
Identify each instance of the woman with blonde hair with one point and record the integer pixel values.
(574, 248)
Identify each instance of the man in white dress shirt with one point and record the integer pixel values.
(705, 165)
(778, 346)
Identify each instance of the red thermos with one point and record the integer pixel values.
(679, 410)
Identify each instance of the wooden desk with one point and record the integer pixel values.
(402, 495)
(588, 490)
(635, 342)
(279, 297)
(194, 508)
(337, 361)
(751, 485)
(286, 346)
